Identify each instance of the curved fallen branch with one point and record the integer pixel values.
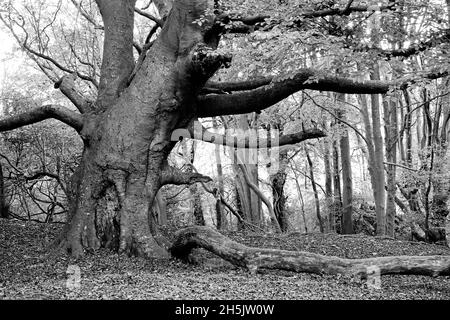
(301, 261)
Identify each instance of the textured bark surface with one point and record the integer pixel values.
(377, 164)
(347, 185)
(4, 212)
(128, 139)
(300, 261)
(278, 181)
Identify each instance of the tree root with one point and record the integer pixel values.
(300, 261)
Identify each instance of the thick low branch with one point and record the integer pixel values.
(301, 261)
(280, 88)
(171, 175)
(238, 86)
(62, 114)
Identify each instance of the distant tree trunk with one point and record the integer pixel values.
(347, 194)
(4, 212)
(329, 186)
(197, 201)
(391, 130)
(220, 213)
(300, 197)
(441, 187)
(160, 209)
(261, 196)
(278, 181)
(427, 154)
(337, 194)
(249, 200)
(316, 194)
(379, 192)
(447, 230)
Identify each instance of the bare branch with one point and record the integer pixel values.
(159, 22)
(279, 89)
(67, 86)
(62, 114)
(237, 86)
(86, 15)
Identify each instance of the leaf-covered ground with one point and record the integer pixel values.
(28, 272)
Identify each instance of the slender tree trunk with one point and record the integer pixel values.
(221, 218)
(4, 212)
(249, 200)
(347, 194)
(390, 122)
(316, 194)
(278, 181)
(329, 187)
(254, 259)
(196, 199)
(380, 197)
(300, 197)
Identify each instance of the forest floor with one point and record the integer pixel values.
(28, 272)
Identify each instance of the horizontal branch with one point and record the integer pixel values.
(62, 114)
(280, 88)
(254, 141)
(174, 176)
(237, 86)
(258, 22)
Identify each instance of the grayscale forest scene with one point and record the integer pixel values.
(224, 149)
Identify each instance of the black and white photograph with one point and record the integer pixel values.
(224, 158)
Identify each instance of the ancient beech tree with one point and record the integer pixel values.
(128, 130)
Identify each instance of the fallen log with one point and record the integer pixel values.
(254, 259)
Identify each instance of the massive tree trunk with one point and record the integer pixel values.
(254, 259)
(127, 137)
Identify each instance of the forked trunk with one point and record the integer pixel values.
(127, 142)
